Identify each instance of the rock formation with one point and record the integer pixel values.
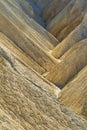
(25, 104)
(28, 25)
(78, 34)
(71, 63)
(27, 41)
(74, 94)
(35, 64)
(70, 13)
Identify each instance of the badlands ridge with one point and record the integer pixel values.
(43, 65)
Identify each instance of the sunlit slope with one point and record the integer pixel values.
(74, 94)
(23, 65)
(78, 34)
(23, 41)
(7, 45)
(70, 64)
(73, 10)
(26, 105)
(36, 33)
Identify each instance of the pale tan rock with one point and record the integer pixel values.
(26, 105)
(66, 16)
(78, 34)
(23, 65)
(7, 43)
(28, 101)
(71, 63)
(34, 51)
(74, 94)
(27, 25)
(68, 29)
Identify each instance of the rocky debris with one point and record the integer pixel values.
(71, 63)
(70, 13)
(25, 105)
(74, 94)
(78, 34)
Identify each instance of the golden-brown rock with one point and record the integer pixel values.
(74, 94)
(66, 16)
(31, 48)
(78, 34)
(27, 25)
(28, 101)
(70, 64)
(26, 105)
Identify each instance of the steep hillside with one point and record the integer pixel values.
(25, 104)
(43, 65)
(74, 94)
(32, 49)
(70, 64)
(70, 13)
(27, 25)
(78, 34)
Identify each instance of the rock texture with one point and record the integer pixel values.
(25, 104)
(27, 24)
(26, 39)
(74, 94)
(70, 13)
(75, 36)
(31, 74)
(71, 63)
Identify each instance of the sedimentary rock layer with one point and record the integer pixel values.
(25, 105)
(78, 34)
(74, 94)
(73, 10)
(70, 64)
(19, 18)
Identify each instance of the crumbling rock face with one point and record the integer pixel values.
(74, 94)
